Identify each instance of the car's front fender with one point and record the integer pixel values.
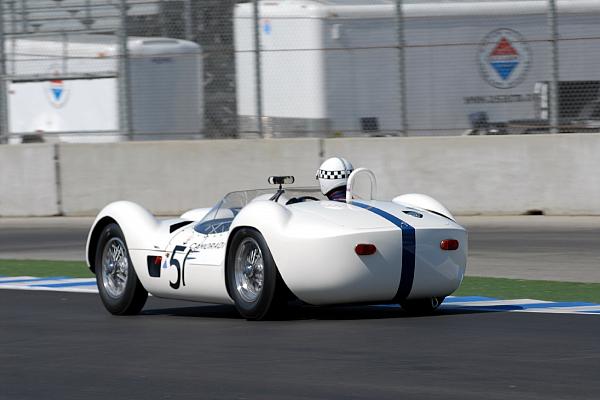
(138, 225)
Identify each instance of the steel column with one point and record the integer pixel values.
(401, 68)
(125, 111)
(553, 98)
(258, 70)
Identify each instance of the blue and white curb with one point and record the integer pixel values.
(452, 303)
(489, 304)
(58, 284)
(520, 305)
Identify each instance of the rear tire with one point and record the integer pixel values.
(252, 278)
(119, 287)
(421, 306)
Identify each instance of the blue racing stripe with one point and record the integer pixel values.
(409, 246)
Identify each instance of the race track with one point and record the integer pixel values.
(66, 346)
(527, 247)
(44, 238)
(56, 345)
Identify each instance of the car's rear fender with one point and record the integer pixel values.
(316, 255)
(424, 202)
(438, 272)
(267, 217)
(308, 260)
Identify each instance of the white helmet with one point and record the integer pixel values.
(334, 173)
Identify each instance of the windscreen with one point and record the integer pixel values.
(220, 217)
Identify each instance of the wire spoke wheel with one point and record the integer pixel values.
(120, 289)
(115, 267)
(249, 270)
(252, 279)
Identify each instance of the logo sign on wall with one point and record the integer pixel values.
(504, 58)
(57, 92)
(267, 27)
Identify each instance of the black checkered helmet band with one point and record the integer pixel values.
(344, 174)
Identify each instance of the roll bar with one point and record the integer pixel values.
(350, 183)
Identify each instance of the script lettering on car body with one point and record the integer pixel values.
(207, 246)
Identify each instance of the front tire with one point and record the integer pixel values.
(253, 281)
(421, 306)
(119, 287)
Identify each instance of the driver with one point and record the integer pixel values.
(333, 176)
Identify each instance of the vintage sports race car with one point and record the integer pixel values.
(257, 249)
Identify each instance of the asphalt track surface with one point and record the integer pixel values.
(527, 247)
(66, 346)
(44, 238)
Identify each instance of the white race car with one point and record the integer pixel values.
(257, 249)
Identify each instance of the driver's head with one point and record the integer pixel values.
(333, 175)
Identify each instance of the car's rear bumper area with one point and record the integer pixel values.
(328, 270)
(438, 272)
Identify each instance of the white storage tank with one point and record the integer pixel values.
(71, 87)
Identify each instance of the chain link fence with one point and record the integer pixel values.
(106, 70)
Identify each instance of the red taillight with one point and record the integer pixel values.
(365, 249)
(449, 244)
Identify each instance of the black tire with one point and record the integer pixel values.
(421, 306)
(131, 298)
(272, 297)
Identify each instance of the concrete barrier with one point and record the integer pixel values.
(170, 177)
(556, 174)
(28, 185)
(494, 175)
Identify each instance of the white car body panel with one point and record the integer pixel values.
(312, 243)
(424, 202)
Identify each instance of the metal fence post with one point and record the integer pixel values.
(24, 22)
(13, 30)
(187, 18)
(258, 69)
(125, 121)
(4, 126)
(401, 68)
(553, 98)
